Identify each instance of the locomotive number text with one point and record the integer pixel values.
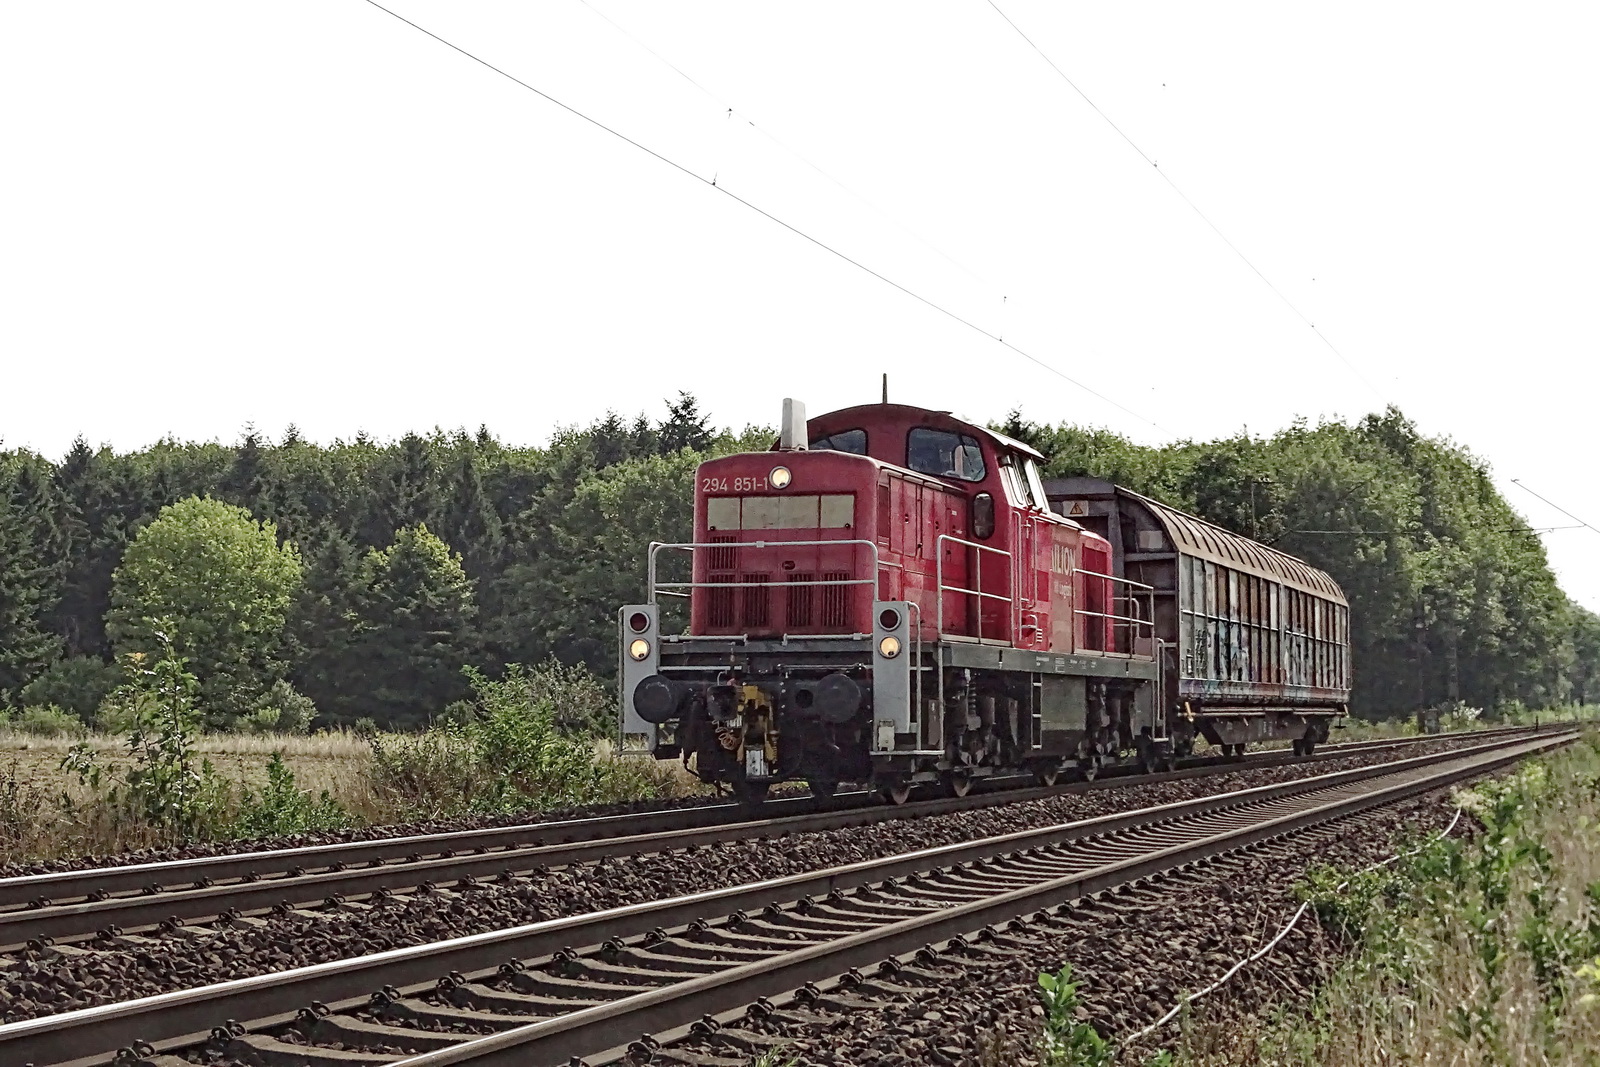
(738, 485)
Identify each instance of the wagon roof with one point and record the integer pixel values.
(1207, 540)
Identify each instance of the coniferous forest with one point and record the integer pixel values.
(352, 583)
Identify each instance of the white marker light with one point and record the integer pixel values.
(779, 478)
(889, 647)
(639, 649)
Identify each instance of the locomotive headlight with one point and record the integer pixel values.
(639, 648)
(779, 478)
(889, 647)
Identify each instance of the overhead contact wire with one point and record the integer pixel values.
(714, 98)
(1290, 304)
(968, 323)
(1518, 483)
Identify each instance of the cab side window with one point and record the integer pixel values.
(944, 454)
(844, 441)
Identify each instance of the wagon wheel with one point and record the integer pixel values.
(822, 788)
(1089, 766)
(1047, 774)
(958, 784)
(748, 792)
(895, 793)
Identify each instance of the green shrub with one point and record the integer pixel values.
(580, 704)
(281, 709)
(1067, 1041)
(505, 752)
(48, 721)
(124, 708)
(282, 807)
(77, 684)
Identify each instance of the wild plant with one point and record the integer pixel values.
(1066, 1040)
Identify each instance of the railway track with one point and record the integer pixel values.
(579, 987)
(110, 903)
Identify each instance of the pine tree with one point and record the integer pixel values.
(322, 623)
(469, 524)
(685, 427)
(95, 536)
(39, 508)
(405, 491)
(246, 480)
(416, 630)
(26, 647)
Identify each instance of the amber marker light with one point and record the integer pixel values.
(639, 649)
(780, 477)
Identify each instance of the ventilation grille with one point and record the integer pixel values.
(802, 601)
(723, 559)
(835, 602)
(756, 600)
(719, 603)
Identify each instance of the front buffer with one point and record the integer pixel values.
(746, 712)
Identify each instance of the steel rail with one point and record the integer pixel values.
(585, 1032)
(185, 1018)
(581, 1034)
(496, 853)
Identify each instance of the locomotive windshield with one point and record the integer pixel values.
(844, 441)
(944, 454)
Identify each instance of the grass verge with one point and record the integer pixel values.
(1472, 951)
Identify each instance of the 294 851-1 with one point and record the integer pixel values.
(752, 484)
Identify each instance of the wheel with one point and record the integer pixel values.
(822, 788)
(895, 793)
(1299, 747)
(1309, 745)
(1048, 775)
(750, 793)
(1088, 767)
(959, 785)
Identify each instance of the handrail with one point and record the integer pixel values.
(977, 577)
(671, 588)
(1114, 578)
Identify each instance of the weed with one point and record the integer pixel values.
(1066, 1040)
(282, 807)
(48, 721)
(161, 786)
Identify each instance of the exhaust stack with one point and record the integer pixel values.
(792, 436)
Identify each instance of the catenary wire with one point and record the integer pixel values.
(1290, 304)
(968, 323)
(1518, 483)
(770, 136)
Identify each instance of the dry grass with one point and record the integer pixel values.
(46, 813)
(1479, 955)
(334, 761)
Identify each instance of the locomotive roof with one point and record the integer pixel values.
(847, 418)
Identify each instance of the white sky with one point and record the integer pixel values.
(220, 213)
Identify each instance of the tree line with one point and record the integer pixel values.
(369, 574)
(365, 576)
(1451, 595)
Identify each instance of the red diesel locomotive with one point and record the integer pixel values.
(889, 597)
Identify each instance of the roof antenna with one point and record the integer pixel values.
(885, 387)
